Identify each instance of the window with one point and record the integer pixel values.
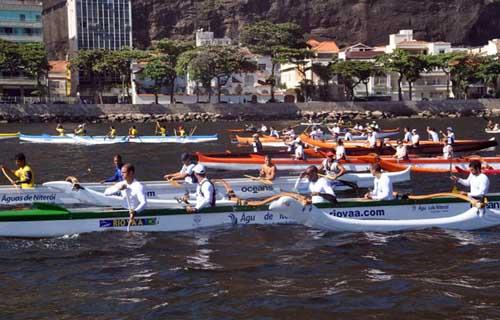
(261, 67)
(441, 51)
(22, 17)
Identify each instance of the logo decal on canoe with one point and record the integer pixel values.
(256, 189)
(117, 223)
(234, 219)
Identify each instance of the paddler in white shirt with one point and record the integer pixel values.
(340, 150)
(407, 137)
(382, 185)
(433, 135)
(477, 181)
(186, 173)
(132, 191)
(415, 138)
(401, 151)
(371, 139)
(205, 191)
(320, 189)
(447, 149)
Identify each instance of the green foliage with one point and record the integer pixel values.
(352, 73)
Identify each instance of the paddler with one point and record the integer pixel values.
(348, 136)
(447, 149)
(415, 138)
(111, 133)
(274, 133)
(186, 173)
(299, 150)
(320, 189)
(256, 144)
(133, 132)
(477, 181)
(132, 191)
(205, 191)
(340, 150)
(24, 176)
(117, 177)
(181, 132)
(382, 185)
(401, 151)
(433, 135)
(80, 130)
(60, 129)
(331, 166)
(268, 169)
(449, 135)
(490, 125)
(161, 129)
(371, 139)
(407, 136)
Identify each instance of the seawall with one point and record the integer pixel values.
(255, 112)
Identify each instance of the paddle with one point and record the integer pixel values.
(350, 184)
(264, 181)
(10, 179)
(174, 183)
(131, 215)
(474, 202)
(194, 129)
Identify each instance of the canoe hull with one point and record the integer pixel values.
(103, 140)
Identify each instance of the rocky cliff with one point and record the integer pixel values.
(470, 22)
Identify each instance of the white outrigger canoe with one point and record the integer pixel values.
(61, 192)
(100, 140)
(45, 220)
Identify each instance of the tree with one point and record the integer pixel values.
(442, 61)
(301, 59)
(219, 62)
(325, 74)
(10, 58)
(121, 61)
(465, 70)
(489, 71)
(271, 39)
(415, 66)
(352, 73)
(159, 70)
(397, 61)
(35, 63)
(92, 65)
(171, 50)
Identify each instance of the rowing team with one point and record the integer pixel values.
(133, 132)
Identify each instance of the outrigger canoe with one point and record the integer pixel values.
(98, 140)
(424, 147)
(433, 165)
(487, 171)
(394, 215)
(254, 162)
(492, 131)
(62, 192)
(43, 220)
(8, 135)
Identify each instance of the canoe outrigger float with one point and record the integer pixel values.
(350, 215)
(62, 192)
(98, 140)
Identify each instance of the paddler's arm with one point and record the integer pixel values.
(327, 196)
(115, 178)
(29, 177)
(143, 202)
(342, 171)
(272, 174)
(114, 189)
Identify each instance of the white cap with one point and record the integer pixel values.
(199, 169)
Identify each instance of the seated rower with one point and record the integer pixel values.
(407, 137)
(490, 125)
(299, 150)
(111, 133)
(133, 132)
(477, 181)
(340, 150)
(268, 169)
(205, 191)
(447, 149)
(274, 133)
(433, 135)
(60, 129)
(80, 130)
(382, 185)
(161, 129)
(117, 177)
(348, 136)
(186, 173)
(132, 191)
(449, 135)
(320, 189)
(24, 176)
(371, 139)
(415, 138)
(331, 166)
(401, 151)
(181, 132)
(256, 144)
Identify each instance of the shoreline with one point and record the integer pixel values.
(317, 111)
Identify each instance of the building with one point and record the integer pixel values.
(432, 85)
(207, 38)
(293, 76)
(72, 25)
(58, 78)
(20, 21)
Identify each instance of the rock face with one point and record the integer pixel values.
(469, 22)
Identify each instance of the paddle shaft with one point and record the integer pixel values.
(131, 216)
(264, 181)
(10, 179)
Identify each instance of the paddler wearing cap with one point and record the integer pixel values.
(205, 191)
(256, 144)
(24, 176)
(331, 166)
(186, 173)
(449, 135)
(320, 189)
(415, 138)
(401, 151)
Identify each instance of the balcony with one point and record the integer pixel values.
(20, 24)
(21, 38)
(17, 81)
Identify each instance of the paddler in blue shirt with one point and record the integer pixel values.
(117, 177)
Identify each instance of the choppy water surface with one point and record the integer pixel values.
(265, 272)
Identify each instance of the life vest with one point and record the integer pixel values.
(163, 131)
(212, 203)
(22, 174)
